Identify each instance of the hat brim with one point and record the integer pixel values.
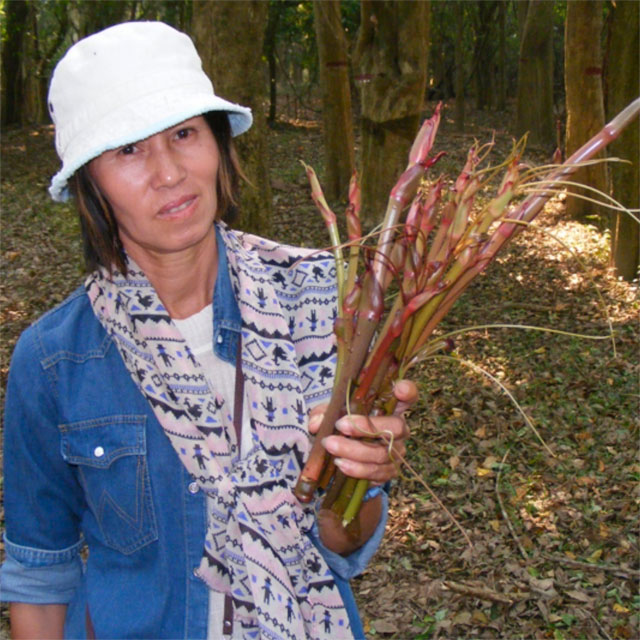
(131, 122)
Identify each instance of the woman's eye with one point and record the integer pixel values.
(184, 133)
(127, 150)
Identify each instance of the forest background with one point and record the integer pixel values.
(346, 84)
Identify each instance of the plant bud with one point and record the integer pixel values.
(352, 299)
(318, 196)
(460, 221)
(439, 246)
(355, 192)
(497, 206)
(352, 214)
(467, 171)
(424, 140)
(411, 223)
(464, 258)
(429, 210)
(339, 329)
(511, 176)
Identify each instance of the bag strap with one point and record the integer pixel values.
(238, 398)
(238, 402)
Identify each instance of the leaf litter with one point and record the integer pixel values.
(555, 539)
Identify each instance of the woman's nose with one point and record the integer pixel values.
(167, 169)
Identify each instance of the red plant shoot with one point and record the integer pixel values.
(443, 243)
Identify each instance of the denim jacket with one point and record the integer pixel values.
(88, 466)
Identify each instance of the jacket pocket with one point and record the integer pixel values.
(110, 454)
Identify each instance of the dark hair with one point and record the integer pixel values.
(101, 239)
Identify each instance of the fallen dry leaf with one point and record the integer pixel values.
(385, 626)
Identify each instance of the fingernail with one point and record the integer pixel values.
(315, 421)
(326, 443)
(339, 462)
(402, 386)
(344, 424)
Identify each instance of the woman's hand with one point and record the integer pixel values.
(360, 459)
(370, 459)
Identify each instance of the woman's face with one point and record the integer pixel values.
(162, 189)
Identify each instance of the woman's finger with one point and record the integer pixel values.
(392, 427)
(378, 473)
(376, 453)
(315, 417)
(406, 392)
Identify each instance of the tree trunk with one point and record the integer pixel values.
(88, 16)
(270, 54)
(229, 36)
(622, 75)
(459, 57)
(339, 161)
(584, 99)
(534, 108)
(391, 62)
(442, 51)
(501, 97)
(12, 49)
(521, 7)
(483, 64)
(32, 108)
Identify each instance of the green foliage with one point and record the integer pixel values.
(559, 16)
(3, 18)
(296, 38)
(59, 23)
(444, 35)
(350, 18)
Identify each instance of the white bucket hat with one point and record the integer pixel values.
(124, 84)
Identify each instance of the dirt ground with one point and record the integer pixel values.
(515, 535)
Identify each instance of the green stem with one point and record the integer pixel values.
(341, 502)
(353, 507)
(425, 314)
(334, 490)
(334, 235)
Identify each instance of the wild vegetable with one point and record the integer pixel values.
(399, 282)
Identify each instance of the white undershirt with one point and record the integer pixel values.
(197, 330)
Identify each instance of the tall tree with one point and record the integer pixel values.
(584, 98)
(232, 57)
(534, 106)
(32, 111)
(339, 160)
(460, 72)
(444, 36)
(12, 49)
(44, 29)
(88, 17)
(501, 92)
(623, 86)
(391, 67)
(275, 10)
(484, 52)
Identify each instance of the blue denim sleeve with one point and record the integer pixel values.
(38, 576)
(42, 497)
(348, 567)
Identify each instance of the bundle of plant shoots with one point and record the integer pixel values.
(396, 284)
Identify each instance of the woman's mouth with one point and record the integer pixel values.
(175, 209)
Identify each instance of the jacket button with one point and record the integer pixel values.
(98, 452)
(193, 487)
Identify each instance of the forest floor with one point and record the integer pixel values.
(553, 527)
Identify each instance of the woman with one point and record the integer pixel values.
(162, 430)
